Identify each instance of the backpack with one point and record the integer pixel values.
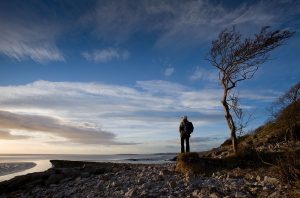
(188, 127)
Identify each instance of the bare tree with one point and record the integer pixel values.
(289, 97)
(240, 117)
(286, 109)
(237, 59)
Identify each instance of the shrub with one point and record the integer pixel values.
(289, 167)
(188, 157)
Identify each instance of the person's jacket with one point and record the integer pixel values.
(181, 130)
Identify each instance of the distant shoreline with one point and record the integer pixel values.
(14, 167)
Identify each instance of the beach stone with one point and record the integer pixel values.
(163, 191)
(265, 188)
(196, 193)
(113, 184)
(249, 177)
(68, 193)
(288, 186)
(275, 194)
(239, 194)
(205, 190)
(143, 193)
(258, 178)
(130, 193)
(164, 172)
(214, 195)
(104, 177)
(140, 175)
(146, 185)
(85, 174)
(141, 180)
(271, 180)
(53, 185)
(58, 195)
(78, 179)
(172, 184)
(254, 190)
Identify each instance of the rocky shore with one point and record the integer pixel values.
(87, 179)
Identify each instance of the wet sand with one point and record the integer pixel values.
(14, 167)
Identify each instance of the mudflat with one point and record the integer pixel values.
(14, 167)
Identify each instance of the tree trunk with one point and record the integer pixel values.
(230, 122)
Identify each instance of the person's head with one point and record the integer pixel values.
(185, 118)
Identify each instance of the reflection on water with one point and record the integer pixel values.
(41, 165)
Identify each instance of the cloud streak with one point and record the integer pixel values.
(206, 139)
(26, 34)
(204, 74)
(26, 38)
(46, 124)
(7, 135)
(191, 22)
(169, 71)
(106, 55)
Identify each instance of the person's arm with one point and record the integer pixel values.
(180, 127)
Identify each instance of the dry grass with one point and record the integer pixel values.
(246, 158)
(192, 162)
(289, 167)
(286, 127)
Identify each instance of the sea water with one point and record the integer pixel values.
(43, 161)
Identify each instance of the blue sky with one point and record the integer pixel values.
(116, 76)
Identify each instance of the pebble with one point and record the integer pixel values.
(131, 192)
(258, 178)
(155, 181)
(214, 195)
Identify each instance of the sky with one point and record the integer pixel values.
(116, 76)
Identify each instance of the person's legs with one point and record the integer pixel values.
(187, 139)
(182, 144)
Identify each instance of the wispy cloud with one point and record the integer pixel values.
(28, 34)
(169, 71)
(106, 55)
(7, 135)
(160, 86)
(261, 95)
(191, 22)
(206, 139)
(25, 39)
(21, 51)
(204, 74)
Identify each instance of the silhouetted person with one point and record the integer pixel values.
(185, 128)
